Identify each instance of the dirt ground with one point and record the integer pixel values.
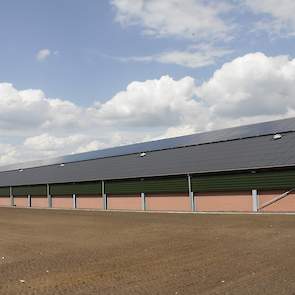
(80, 252)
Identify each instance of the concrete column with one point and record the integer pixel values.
(254, 200)
(11, 196)
(104, 196)
(190, 193)
(74, 201)
(49, 197)
(143, 204)
(29, 201)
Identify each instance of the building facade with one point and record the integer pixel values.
(242, 169)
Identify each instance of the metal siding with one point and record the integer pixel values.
(168, 202)
(90, 188)
(165, 185)
(286, 204)
(244, 181)
(34, 190)
(89, 202)
(224, 202)
(124, 187)
(4, 191)
(124, 202)
(154, 185)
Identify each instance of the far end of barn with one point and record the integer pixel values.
(241, 169)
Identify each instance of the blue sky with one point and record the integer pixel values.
(86, 38)
(68, 70)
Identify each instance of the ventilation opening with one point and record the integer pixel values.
(277, 136)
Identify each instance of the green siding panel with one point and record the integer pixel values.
(82, 188)
(245, 181)
(154, 185)
(166, 185)
(4, 191)
(123, 187)
(33, 190)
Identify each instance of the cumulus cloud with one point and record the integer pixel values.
(20, 108)
(43, 54)
(191, 19)
(159, 103)
(249, 89)
(30, 110)
(250, 86)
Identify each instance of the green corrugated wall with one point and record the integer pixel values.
(284, 179)
(166, 185)
(244, 181)
(83, 188)
(4, 191)
(124, 187)
(33, 190)
(153, 185)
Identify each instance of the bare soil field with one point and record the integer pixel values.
(82, 252)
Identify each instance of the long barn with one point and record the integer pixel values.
(243, 169)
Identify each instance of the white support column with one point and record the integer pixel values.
(104, 196)
(29, 201)
(11, 196)
(143, 205)
(74, 201)
(191, 194)
(254, 200)
(49, 197)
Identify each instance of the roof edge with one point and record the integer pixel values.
(209, 137)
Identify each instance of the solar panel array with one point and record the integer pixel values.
(254, 130)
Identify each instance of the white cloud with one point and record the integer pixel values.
(30, 110)
(43, 54)
(281, 15)
(198, 21)
(50, 143)
(7, 154)
(248, 89)
(195, 57)
(192, 19)
(250, 86)
(159, 103)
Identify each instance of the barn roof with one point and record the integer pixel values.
(240, 148)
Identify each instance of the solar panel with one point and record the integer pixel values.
(266, 128)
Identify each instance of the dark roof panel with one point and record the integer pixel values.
(244, 154)
(254, 130)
